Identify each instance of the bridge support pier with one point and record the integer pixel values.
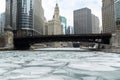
(115, 41)
(103, 46)
(8, 38)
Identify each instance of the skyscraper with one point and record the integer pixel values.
(117, 21)
(25, 10)
(82, 21)
(69, 30)
(2, 22)
(95, 24)
(8, 13)
(38, 16)
(25, 14)
(108, 16)
(117, 13)
(63, 23)
(54, 25)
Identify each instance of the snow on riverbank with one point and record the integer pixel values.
(60, 49)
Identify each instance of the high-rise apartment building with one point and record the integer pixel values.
(25, 14)
(95, 24)
(108, 16)
(82, 21)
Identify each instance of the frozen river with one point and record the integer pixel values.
(59, 65)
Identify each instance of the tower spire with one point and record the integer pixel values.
(56, 12)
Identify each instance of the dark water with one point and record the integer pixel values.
(59, 65)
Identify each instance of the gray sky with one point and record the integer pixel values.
(2, 6)
(66, 8)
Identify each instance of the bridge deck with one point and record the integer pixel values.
(26, 41)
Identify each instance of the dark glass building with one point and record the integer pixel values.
(25, 14)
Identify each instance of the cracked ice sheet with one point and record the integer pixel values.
(2, 71)
(40, 78)
(33, 70)
(91, 67)
(9, 65)
(27, 73)
(45, 63)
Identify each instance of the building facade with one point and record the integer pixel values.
(82, 21)
(38, 16)
(54, 25)
(25, 14)
(8, 13)
(69, 30)
(117, 14)
(63, 23)
(108, 16)
(95, 24)
(117, 20)
(2, 22)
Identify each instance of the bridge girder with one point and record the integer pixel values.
(26, 41)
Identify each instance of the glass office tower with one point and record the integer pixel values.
(25, 14)
(63, 23)
(117, 13)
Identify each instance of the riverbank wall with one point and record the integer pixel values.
(115, 50)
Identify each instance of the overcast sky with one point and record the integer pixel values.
(66, 7)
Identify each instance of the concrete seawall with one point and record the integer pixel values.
(111, 50)
(5, 48)
(2, 41)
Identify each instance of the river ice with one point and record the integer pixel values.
(55, 64)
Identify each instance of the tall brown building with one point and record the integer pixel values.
(108, 16)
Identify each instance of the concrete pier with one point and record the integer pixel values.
(6, 40)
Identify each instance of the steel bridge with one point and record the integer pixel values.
(24, 42)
